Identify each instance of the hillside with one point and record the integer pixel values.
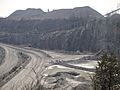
(87, 33)
(25, 14)
(33, 14)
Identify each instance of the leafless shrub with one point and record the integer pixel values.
(35, 84)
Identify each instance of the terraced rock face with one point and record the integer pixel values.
(26, 14)
(38, 14)
(80, 39)
(84, 31)
(78, 29)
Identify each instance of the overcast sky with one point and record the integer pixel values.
(9, 6)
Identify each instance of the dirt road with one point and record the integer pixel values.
(26, 75)
(11, 60)
(38, 61)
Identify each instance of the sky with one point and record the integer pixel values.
(9, 6)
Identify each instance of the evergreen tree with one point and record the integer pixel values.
(107, 74)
